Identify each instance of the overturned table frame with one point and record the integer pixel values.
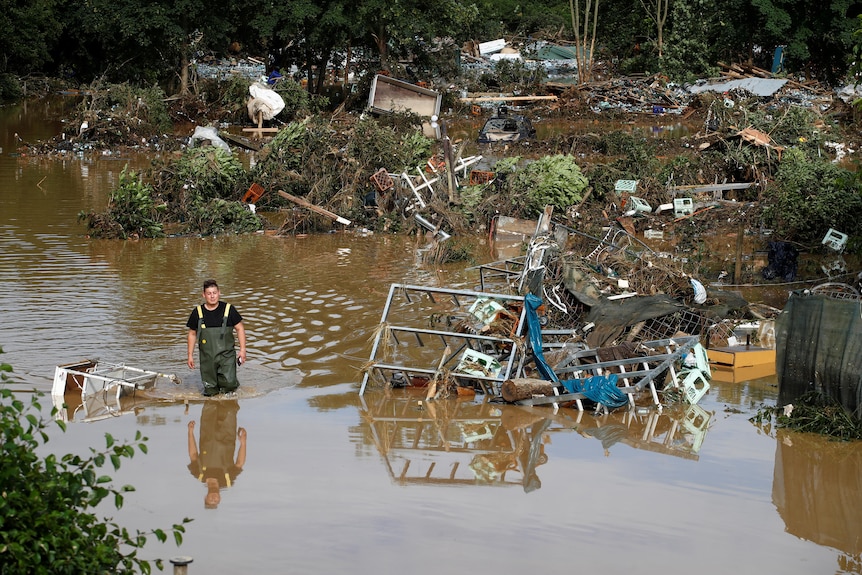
(406, 298)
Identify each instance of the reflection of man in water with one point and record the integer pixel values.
(215, 465)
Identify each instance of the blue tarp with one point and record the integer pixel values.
(600, 389)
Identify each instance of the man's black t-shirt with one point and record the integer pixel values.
(215, 317)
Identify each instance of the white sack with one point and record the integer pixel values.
(263, 100)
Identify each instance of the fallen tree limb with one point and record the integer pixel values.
(313, 208)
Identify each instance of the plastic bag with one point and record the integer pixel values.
(265, 101)
(208, 133)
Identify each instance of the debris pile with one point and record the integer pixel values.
(601, 322)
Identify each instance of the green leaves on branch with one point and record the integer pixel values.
(551, 180)
(810, 196)
(132, 211)
(199, 188)
(209, 177)
(207, 172)
(47, 505)
(394, 141)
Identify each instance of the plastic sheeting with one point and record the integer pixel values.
(265, 101)
(599, 389)
(211, 135)
(782, 262)
(534, 331)
(612, 317)
(819, 347)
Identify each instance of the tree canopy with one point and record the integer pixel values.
(153, 41)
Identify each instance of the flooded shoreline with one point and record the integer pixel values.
(332, 481)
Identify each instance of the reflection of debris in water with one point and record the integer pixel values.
(609, 435)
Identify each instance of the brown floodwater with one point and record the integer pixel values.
(331, 482)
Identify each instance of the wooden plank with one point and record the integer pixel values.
(712, 187)
(242, 142)
(506, 98)
(313, 208)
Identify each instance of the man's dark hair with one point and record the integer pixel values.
(209, 284)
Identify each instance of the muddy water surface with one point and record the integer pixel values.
(320, 480)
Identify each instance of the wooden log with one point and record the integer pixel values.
(314, 208)
(525, 388)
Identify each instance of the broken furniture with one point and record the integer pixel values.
(388, 95)
(406, 317)
(98, 387)
(741, 363)
(636, 373)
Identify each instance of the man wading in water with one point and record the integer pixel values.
(212, 325)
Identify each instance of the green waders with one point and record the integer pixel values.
(217, 356)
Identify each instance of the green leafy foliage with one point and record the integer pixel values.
(298, 103)
(551, 180)
(208, 172)
(27, 31)
(285, 149)
(121, 114)
(48, 522)
(219, 216)
(144, 104)
(10, 88)
(471, 198)
(505, 166)
(810, 196)
(209, 176)
(394, 143)
(131, 211)
(197, 189)
(513, 75)
(813, 412)
(687, 53)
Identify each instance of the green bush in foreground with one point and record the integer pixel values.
(47, 520)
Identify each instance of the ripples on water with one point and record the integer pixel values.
(307, 303)
(358, 488)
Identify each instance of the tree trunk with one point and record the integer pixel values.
(524, 388)
(184, 69)
(321, 73)
(380, 39)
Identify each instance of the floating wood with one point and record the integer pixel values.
(313, 208)
(241, 142)
(260, 130)
(525, 388)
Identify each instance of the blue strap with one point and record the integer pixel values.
(534, 331)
